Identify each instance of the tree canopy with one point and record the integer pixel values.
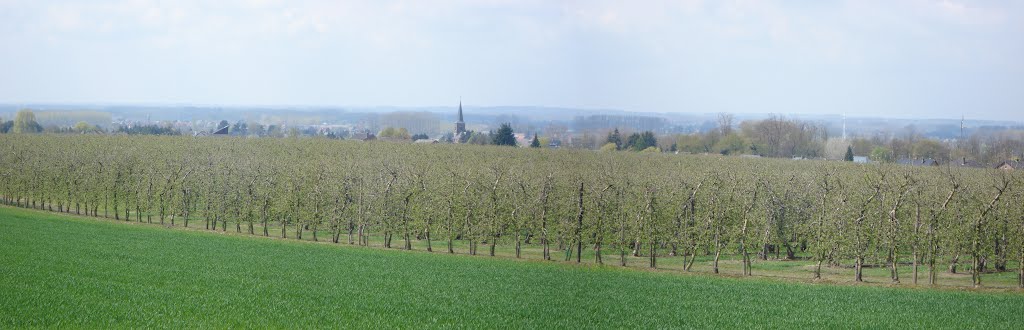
(25, 122)
(83, 127)
(6, 126)
(882, 154)
(641, 141)
(836, 214)
(394, 133)
(504, 136)
(615, 138)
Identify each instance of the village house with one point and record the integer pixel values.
(1008, 165)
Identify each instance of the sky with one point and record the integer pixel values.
(895, 58)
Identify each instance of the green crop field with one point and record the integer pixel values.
(63, 271)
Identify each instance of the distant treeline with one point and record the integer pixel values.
(778, 136)
(148, 130)
(775, 136)
(71, 118)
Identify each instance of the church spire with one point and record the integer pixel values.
(460, 126)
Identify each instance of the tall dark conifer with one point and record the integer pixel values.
(616, 138)
(504, 136)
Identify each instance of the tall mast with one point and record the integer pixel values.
(960, 142)
(844, 126)
(961, 128)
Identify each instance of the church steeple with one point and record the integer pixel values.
(460, 126)
(460, 110)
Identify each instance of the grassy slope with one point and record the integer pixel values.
(59, 270)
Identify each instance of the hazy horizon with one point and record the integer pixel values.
(889, 59)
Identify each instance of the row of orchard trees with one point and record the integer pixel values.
(561, 202)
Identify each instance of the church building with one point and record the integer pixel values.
(460, 126)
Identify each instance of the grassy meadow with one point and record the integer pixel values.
(65, 271)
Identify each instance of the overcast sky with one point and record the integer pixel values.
(912, 58)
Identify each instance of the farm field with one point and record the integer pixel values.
(77, 272)
(801, 269)
(831, 221)
(438, 164)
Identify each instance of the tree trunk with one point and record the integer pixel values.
(636, 247)
(693, 257)
(622, 255)
(518, 248)
(427, 236)
(451, 236)
(745, 258)
(494, 244)
(405, 223)
(579, 226)
(544, 221)
(544, 243)
(976, 270)
(932, 276)
(351, 229)
(579, 249)
(185, 213)
(1020, 266)
(893, 257)
(858, 267)
(718, 253)
(654, 253)
(915, 256)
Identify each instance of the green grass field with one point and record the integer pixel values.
(61, 271)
